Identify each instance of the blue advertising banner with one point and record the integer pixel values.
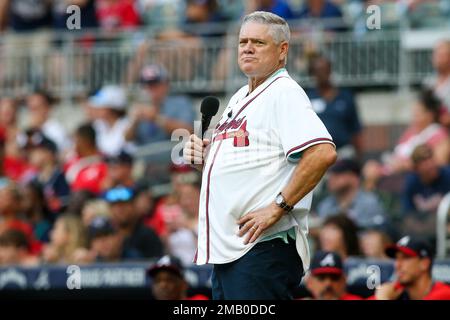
(360, 272)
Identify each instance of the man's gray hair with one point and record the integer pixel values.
(279, 28)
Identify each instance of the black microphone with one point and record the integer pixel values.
(208, 108)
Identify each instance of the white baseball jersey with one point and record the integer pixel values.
(250, 162)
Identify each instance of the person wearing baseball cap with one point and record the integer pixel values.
(326, 279)
(168, 281)
(126, 218)
(49, 177)
(346, 195)
(120, 171)
(110, 103)
(155, 118)
(105, 243)
(413, 266)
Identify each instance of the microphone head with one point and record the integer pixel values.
(209, 106)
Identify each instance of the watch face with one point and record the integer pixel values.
(279, 199)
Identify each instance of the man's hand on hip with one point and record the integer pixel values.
(256, 222)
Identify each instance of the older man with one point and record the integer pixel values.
(327, 280)
(268, 151)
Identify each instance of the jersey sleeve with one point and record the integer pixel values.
(296, 123)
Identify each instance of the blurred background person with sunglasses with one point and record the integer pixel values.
(126, 218)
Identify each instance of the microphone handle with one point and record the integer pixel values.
(205, 124)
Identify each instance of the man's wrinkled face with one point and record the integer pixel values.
(259, 55)
(326, 286)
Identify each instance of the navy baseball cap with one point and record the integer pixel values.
(32, 139)
(413, 247)
(122, 158)
(119, 194)
(326, 262)
(152, 74)
(346, 165)
(100, 226)
(167, 263)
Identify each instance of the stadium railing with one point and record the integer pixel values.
(73, 65)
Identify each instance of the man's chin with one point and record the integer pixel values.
(248, 72)
(404, 282)
(329, 297)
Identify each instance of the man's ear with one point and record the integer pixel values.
(284, 47)
(425, 265)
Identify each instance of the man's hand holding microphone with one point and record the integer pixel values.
(194, 151)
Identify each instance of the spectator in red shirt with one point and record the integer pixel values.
(413, 265)
(117, 14)
(87, 170)
(168, 281)
(327, 280)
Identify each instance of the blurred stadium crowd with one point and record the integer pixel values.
(82, 196)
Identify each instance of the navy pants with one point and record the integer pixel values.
(270, 270)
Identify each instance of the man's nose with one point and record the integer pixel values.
(248, 48)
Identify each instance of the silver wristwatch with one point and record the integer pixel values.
(281, 202)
